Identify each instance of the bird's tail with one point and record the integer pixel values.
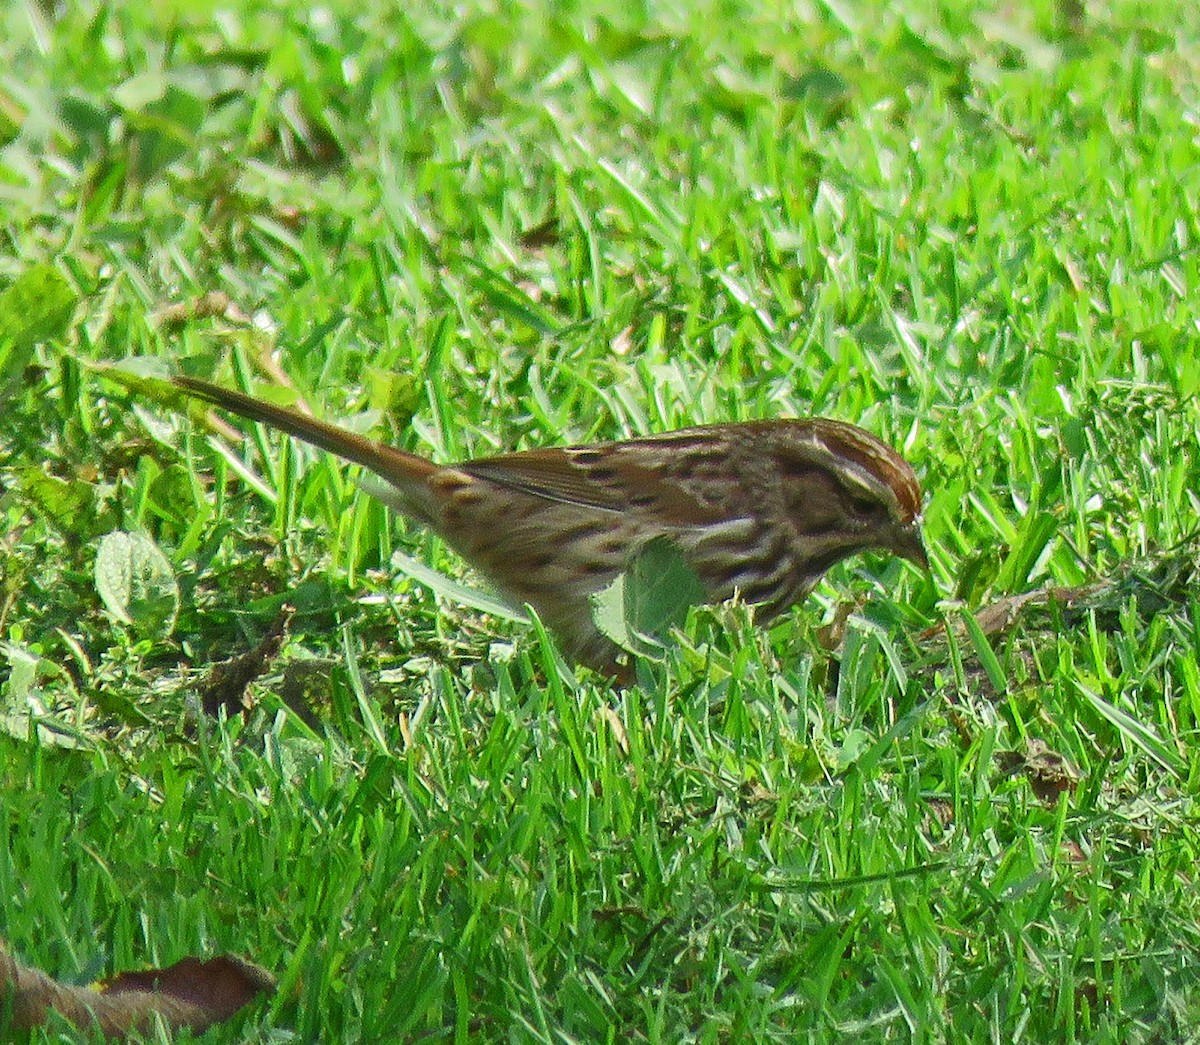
(396, 466)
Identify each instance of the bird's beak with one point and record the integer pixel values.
(907, 543)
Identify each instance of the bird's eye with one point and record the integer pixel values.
(865, 506)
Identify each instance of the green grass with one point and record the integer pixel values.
(970, 228)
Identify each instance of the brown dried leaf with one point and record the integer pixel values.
(1072, 16)
(214, 304)
(1003, 613)
(543, 234)
(192, 994)
(622, 343)
(999, 616)
(942, 812)
(1049, 773)
(302, 680)
(617, 727)
(830, 636)
(226, 683)
(1073, 852)
(754, 791)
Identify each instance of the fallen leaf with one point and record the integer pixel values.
(192, 994)
(831, 634)
(214, 304)
(543, 234)
(137, 584)
(226, 683)
(617, 727)
(1049, 773)
(1073, 852)
(999, 616)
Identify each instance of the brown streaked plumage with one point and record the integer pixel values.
(759, 508)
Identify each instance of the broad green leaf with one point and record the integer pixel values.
(36, 307)
(653, 595)
(140, 90)
(61, 499)
(660, 588)
(75, 506)
(21, 702)
(20, 690)
(137, 584)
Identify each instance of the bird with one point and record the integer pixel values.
(758, 509)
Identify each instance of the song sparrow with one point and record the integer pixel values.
(758, 508)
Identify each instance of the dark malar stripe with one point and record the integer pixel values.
(776, 593)
(760, 587)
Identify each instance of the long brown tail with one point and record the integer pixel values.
(396, 466)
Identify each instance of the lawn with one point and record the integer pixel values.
(955, 808)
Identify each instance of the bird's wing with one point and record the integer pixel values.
(554, 474)
(636, 476)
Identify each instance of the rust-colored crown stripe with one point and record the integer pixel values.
(879, 459)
